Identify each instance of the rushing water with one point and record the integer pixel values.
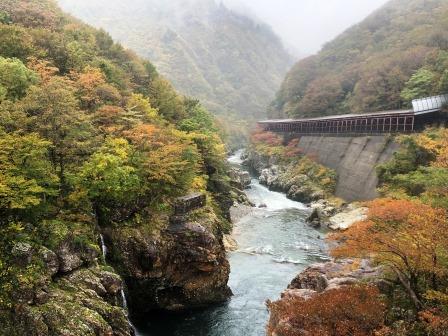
(275, 244)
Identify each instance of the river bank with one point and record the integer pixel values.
(325, 211)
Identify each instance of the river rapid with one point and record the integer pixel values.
(275, 244)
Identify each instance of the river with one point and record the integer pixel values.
(275, 244)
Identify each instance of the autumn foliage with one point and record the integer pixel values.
(409, 238)
(353, 310)
(90, 133)
(266, 138)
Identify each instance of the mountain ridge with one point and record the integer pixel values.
(231, 62)
(396, 54)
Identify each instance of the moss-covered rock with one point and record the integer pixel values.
(181, 266)
(86, 302)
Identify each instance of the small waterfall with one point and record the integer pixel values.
(125, 307)
(103, 246)
(124, 301)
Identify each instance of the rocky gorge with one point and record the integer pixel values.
(325, 211)
(181, 267)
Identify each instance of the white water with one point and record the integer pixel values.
(103, 246)
(236, 157)
(122, 293)
(274, 201)
(124, 301)
(275, 244)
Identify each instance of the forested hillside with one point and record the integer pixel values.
(398, 53)
(230, 62)
(91, 137)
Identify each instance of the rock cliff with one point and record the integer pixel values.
(179, 267)
(65, 290)
(278, 176)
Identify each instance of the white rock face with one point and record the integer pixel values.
(230, 244)
(344, 220)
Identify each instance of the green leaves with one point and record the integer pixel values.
(109, 174)
(420, 85)
(25, 173)
(15, 79)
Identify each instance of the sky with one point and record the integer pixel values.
(305, 25)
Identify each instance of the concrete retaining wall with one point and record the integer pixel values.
(354, 159)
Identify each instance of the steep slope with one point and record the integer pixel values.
(96, 146)
(398, 53)
(230, 62)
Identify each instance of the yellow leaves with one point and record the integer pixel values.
(424, 141)
(142, 104)
(199, 183)
(436, 142)
(165, 163)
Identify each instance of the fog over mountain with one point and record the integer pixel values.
(232, 63)
(305, 25)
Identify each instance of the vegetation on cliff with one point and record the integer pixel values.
(398, 53)
(300, 176)
(90, 136)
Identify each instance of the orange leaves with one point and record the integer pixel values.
(407, 237)
(435, 322)
(142, 134)
(353, 310)
(44, 68)
(292, 150)
(90, 78)
(395, 228)
(266, 138)
(93, 90)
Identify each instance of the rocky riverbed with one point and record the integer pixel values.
(325, 213)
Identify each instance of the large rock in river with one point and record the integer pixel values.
(180, 267)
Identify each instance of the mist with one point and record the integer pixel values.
(305, 25)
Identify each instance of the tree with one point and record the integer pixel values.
(351, 310)
(168, 161)
(93, 90)
(109, 177)
(420, 85)
(15, 78)
(141, 107)
(15, 42)
(54, 109)
(26, 176)
(163, 97)
(408, 238)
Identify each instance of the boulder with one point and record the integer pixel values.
(345, 219)
(311, 279)
(50, 260)
(239, 178)
(69, 257)
(334, 274)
